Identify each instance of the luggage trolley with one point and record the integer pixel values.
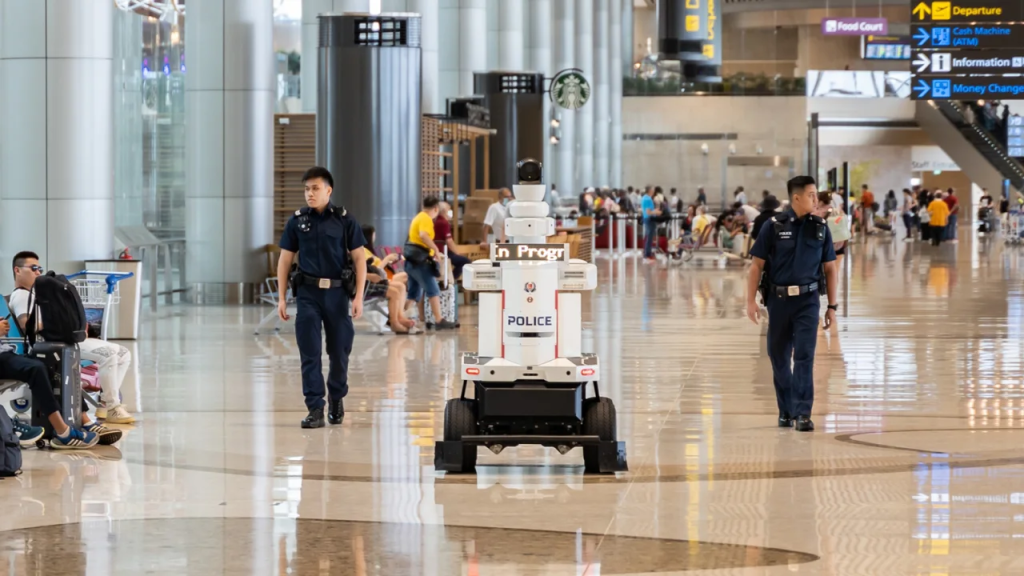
(1013, 227)
(98, 290)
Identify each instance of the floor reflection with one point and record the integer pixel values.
(915, 468)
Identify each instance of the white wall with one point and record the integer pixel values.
(776, 125)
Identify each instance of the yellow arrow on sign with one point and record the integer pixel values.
(920, 10)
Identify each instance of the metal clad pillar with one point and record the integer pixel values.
(57, 136)
(565, 57)
(585, 115)
(516, 104)
(602, 95)
(368, 118)
(229, 194)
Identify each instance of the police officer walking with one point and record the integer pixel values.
(330, 274)
(795, 252)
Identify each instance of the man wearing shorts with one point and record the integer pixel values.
(420, 255)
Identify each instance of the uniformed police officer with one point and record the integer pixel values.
(330, 245)
(793, 248)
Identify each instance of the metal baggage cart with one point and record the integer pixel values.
(98, 291)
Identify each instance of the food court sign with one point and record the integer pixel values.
(854, 26)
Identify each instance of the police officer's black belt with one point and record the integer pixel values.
(318, 282)
(784, 291)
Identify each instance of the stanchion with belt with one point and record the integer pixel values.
(620, 233)
(636, 234)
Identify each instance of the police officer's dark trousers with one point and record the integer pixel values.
(792, 336)
(328, 308)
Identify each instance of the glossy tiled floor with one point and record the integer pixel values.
(916, 467)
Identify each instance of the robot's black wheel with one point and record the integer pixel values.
(41, 444)
(598, 420)
(459, 421)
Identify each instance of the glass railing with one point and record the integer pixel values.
(734, 85)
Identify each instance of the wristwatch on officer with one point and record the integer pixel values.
(834, 307)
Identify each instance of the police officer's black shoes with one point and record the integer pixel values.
(804, 424)
(335, 411)
(315, 418)
(785, 421)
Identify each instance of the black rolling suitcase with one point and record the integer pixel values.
(63, 363)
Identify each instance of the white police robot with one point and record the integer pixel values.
(529, 373)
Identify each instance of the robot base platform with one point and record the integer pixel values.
(611, 456)
(530, 411)
(579, 369)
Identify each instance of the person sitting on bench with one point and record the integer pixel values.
(113, 360)
(378, 284)
(32, 371)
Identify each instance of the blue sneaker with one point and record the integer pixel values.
(27, 433)
(75, 440)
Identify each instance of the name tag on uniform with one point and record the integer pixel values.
(793, 290)
(324, 283)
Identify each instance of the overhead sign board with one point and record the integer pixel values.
(1015, 136)
(967, 36)
(968, 88)
(885, 48)
(953, 11)
(1007, 61)
(854, 26)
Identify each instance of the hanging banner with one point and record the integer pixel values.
(712, 43)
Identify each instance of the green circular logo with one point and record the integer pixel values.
(570, 89)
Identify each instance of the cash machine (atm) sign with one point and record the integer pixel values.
(966, 11)
(944, 36)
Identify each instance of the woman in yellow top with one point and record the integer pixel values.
(938, 210)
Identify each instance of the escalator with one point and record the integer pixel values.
(979, 154)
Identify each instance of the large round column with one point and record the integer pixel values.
(615, 74)
(602, 103)
(368, 121)
(430, 43)
(511, 51)
(627, 38)
(540, 60)
(473, 42)
(56, 131)
(565, 57)
(229, 163)
(310, 36)
(585, 115)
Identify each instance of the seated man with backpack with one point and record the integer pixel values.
(112, 359)
(33, 372)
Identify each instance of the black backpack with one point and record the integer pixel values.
(65, 316)
(10, 448)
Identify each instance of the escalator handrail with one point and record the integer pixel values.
(1008, 166)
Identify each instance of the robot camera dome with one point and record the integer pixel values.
(529, 171)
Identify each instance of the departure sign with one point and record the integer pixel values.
(953, 11)
(968, 88)
(928, 36)
(969, 62)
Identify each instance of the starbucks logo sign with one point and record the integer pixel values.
(570, 89)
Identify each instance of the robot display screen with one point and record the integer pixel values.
(530, 253)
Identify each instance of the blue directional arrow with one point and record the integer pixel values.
(922, 88)
(922, 36)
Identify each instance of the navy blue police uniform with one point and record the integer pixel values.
(323, 242)
(794, 250)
